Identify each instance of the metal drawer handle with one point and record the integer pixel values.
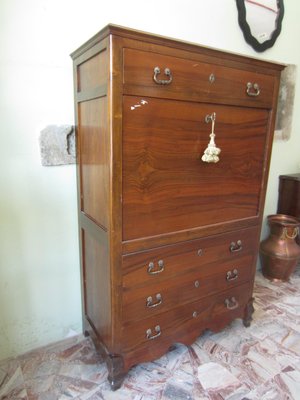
(162, 81)
(236, 246)
(151, 266)
(150, 304)
(253, 89)
(231, 304)
(232, 275)
(154, 336)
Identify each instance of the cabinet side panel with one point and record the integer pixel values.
(95, 277)
(93, 136)
(93, 72)
(289, 197)
(91, 76)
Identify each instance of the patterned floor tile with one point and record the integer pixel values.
(261, 362)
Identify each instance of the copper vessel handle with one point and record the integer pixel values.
(286, 235)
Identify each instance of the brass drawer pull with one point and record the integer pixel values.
(236, 246)
(232, 275)
(231, 304)
(149, 333)
(253, 89)
(162, 81)
(151, 267)
(150, 304)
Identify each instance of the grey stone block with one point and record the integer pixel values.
(57, 145)
(284, 118)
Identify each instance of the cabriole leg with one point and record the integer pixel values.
(249, 310)
(116, 372)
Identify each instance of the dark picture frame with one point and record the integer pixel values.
(244, 25)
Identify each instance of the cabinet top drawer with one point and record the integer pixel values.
(165, 76)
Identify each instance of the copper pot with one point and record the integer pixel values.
(280, 253)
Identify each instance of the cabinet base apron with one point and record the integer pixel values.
(118, 365)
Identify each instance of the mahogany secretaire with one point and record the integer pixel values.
(173, 146)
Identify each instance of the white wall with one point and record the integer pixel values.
(39, 270)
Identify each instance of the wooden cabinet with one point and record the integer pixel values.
(168, 242)
(289, 196)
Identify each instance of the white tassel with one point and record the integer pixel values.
(212, 151)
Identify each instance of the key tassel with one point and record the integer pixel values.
(212, 152)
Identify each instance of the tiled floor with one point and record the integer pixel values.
(261, 362)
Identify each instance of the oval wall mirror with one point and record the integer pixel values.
(260, 21)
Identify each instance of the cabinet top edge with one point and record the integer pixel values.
(117, 30)
(292, 177)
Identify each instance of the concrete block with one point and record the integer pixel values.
(285, 108)
(57, 145)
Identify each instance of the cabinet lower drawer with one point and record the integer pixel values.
(184, 323)
(164, 76)
(162, 264)
(154, 298)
